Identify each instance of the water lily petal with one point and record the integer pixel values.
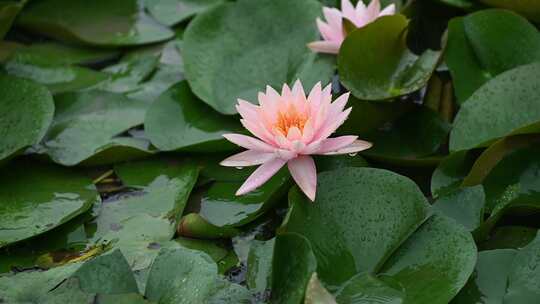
(389, 10)
(304, 174)
(257, 129)
(355, 147)
(331, 124)
(249, 142)
(328, 47)
(261, 175)
(248, 158)
(336, 143)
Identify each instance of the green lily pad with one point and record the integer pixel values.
(52, 53)
(126, 75)
(513, 180)
(222, 208)
(293, 264)
(87, 124)
(527, 8)
(57, 195)
(177, 120)
(465, 206)
(415, 135)
(372, 220)
(451, 171)
(333, 162)
(368, 116)
(506, 105)
(27, 113)
(504, 276)
(169, 71)
(224, 257)
(33, 286)
(57, 78)
(118, 23)
(259, 265)
(374, 62)
(509, 237)
(8, 12)
(439, 249)
(494, 154)
(109, 273)
(360, 216)
(187, 276)
(141, 223)
(371, 289)
(235, 49)
(483, 45)
(171, 12)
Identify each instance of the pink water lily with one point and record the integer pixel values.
(289, 128)
(333, 32)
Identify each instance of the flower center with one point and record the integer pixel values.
(290, 118)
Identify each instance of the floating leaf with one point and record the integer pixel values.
(374, 62)
(371, 289)
(512, 237)
(373, 220)
(495, 153)
(422, 131)
(52, 53)
(224, 258)
(293, 265)
(506, 105)
(514, 180)
(235, 49)
(485, 44)
(360, 216)
(527, 8)
(177, 120)
(86, 129)
(187, 276)
(116, 23)
(58, 195)
(171, 12)
(109, 273)
(221, 207)
(259, 265)
(57, 78)
(33, 285)
(451, 172)
(27, 110)
(465, 206)
(504, 275)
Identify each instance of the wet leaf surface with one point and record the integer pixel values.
(57, 195)
(228, 76)
(117, 23)
(27, 112)
(372, 70)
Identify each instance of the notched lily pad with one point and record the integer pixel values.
(235, 49)
(374, 62)
(58, 195)
(485, 44)
(87, 128)
(177, 120)
(506, 105)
